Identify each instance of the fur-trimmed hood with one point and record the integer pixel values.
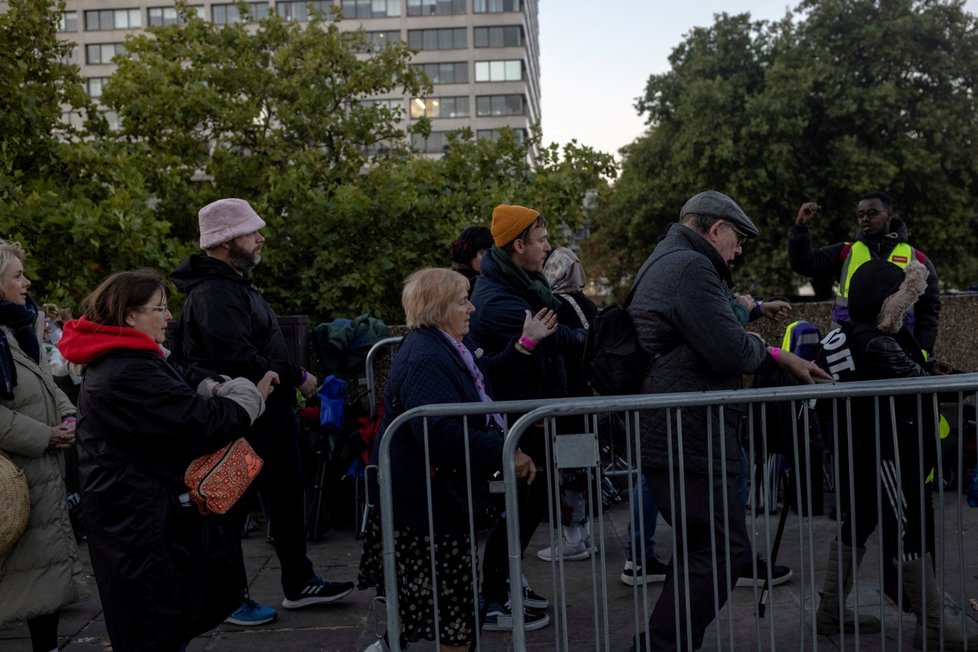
(881, 293)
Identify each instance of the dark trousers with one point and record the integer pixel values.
(694, 558)
(907, 507)
(532, 500)
(281, 485)
(44, 631)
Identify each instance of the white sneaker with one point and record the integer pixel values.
(572, 547)
(380, 645)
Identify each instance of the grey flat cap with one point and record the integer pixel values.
(717, 204)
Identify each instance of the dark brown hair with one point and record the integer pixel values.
(120, 294)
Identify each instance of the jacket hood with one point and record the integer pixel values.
(83, 341)
(881, 293)
(197, 268)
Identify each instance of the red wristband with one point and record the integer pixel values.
(527, 343)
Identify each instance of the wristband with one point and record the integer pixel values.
(527, 343)
(305, 377)
(775, 353)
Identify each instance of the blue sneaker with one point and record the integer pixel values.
(251, 614)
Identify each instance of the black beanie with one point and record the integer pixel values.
(469, 243)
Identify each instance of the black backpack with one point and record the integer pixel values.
(614, 362)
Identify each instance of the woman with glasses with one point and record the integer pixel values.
(164, 571)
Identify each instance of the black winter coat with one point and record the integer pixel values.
(164, 572)
(498, 319)
(228, 327)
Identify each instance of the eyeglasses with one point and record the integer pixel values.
(741, 238)
(871, 212)
(161, 309)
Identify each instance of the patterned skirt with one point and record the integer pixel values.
(455, 568)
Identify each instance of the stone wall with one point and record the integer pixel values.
(957, 339)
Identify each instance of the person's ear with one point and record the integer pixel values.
(714, 231)
(131, 320)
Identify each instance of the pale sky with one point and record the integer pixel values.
(596, 55)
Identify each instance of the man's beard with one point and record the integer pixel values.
(241, 260)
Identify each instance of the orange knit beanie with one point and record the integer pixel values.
(508, 221)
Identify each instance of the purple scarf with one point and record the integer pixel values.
(480, 382)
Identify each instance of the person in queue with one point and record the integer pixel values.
(229, 327)
(467, 251)
(164, 572)
(683, 318)
(876, 344)
(41, 573)
(434, 365)
(512, 282)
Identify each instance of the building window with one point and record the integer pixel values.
(435, 7)
(225, 14)
(370, 8)
(495, 6)
(453, 38)
(445, 73)
(299, 10)
(102, 19)
(436, 143)
(68, 21)
(103, 52)
(393, 105)
(499, 71)
(71, 56)
(440, 107)
(490, 105)
(93, 85)
(159, 16)
(506, 36)
(493, 134)
(377, 41)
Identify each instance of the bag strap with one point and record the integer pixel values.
(577, 308)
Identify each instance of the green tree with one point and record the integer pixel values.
(839, 98)
(367, 236)
(76, 206)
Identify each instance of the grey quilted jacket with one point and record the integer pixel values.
(682, 315)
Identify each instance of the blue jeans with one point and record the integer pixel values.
(644, 517)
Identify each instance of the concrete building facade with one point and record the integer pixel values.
(482, 56)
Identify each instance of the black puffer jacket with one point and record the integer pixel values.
(163, 570)
(228, 327)
(681, 311)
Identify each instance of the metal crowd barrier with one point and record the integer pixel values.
(615, 616)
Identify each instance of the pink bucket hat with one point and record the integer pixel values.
(226, 219)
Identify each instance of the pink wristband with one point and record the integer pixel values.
(776, 354)
(527, 343)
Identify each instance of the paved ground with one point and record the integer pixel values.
(349, 626)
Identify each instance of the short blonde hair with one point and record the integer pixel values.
(9, 251)
(428, 295)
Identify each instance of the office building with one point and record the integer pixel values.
(482, 56)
